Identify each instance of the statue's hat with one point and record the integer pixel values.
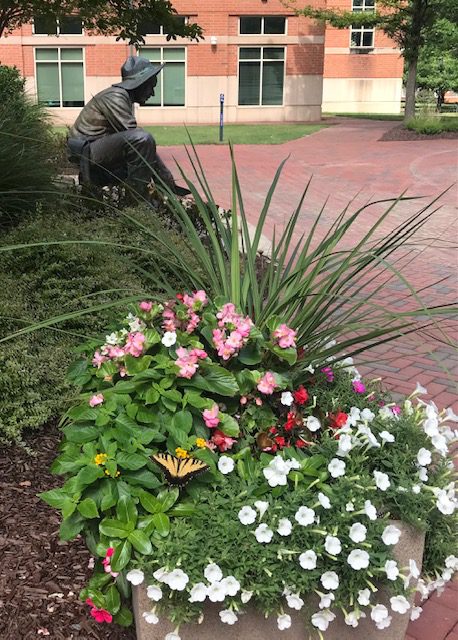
(136, 70)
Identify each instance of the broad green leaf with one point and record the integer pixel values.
(137, 365)
(126, 510)
(182, 421)
(123, 617)
(77, 369)
(251, 354)
(152, 396)
(131, 461)
(162, 524)
(143, 478)
(150, 435)
(147, 416)
(88, 508)
(140, 542)
(115, 528)
(167, 498)
(195, 400)
(113, 600)
(83, 413)
(150, 503)
(172, 394)
(152, 337)
(182, 509)
(130, 425)
(229, 425)
(71, 526)
(79, 433)
(55, 497)
(215, 379)
(289, 355)
(89, 474)
(121, 556)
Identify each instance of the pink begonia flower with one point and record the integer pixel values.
(198, 353)
(285, 336)
(235, 340)
(358, 386)
(243, 400)
(115, 352)
(134, 344)
(170, 320)
(267, 384)
(258, 401)
(98, 359)
(226, 314)
(100, 615)
(210, 417)
(96, 399)
(193, 322)
(222, 441)
(187, 361)
(146, 306)
(196, 300)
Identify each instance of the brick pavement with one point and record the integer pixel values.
(348, 161)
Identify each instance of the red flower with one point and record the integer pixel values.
(302, 443)
(100, 615)
(301, 396)
(290, 421)
(222, 441)
(179, 296)
(273, 430)
(338, 420)
(280, 441)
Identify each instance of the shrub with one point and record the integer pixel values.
(12, 84)
(430, 124)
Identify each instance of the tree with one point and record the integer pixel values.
(408, 22)
(127, 19)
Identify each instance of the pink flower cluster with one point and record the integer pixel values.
(329, 373)
(267, 384)
(134, 345)
(193, 303)
(239, 328)
(145, 306)
(210, 417)
(221, 440)
(358, 386)
(187, 361)
(285, 336)
(96, 400)
(107, 562)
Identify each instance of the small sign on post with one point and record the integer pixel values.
(221, 117)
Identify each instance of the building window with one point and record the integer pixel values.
(67, 26)
(170, 88)
(60, 77)
(362, 37)
(261, 75)
(262, 25)
(152, 29)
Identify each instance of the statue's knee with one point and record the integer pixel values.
(140, 137)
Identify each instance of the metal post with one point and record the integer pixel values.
(221, 119)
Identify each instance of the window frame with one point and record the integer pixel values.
(362, 29)
(58, 34)
(161, 78)
(261, 74)
(262, 32)
(59, 67)
(161, 33)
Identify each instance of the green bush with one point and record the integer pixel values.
(430, 124)
(12, 84)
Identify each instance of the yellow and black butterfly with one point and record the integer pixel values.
(179, 471)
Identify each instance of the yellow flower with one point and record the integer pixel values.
(181, 453)
(100, 458)
(200, 442)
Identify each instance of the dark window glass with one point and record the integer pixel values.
(272, 83)
(250, 24)
(274, 24)
(70, 25)
(249, 83)
(275, 53)
(44, 25)
(250, 53)
(368, 39)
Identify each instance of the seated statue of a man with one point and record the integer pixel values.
(106, 139)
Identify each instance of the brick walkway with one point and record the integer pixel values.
(348, 161)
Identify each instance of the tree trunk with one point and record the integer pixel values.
(411, 86)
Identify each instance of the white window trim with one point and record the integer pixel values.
(269, 35)
(161, 47)
(363, 8)
(362, 30)
(261, 60)
(59, 63)
(57, 34)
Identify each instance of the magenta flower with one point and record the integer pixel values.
(100, 615)
(146, 306)
(267, 383)
(210, 417)
(329, 373)
(96, 399)
(285, 336)
(358, 386)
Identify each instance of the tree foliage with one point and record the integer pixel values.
(125, 19)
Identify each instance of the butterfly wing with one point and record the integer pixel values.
(189, 468)
(169, 466)
(179, 471)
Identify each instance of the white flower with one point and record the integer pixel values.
(150, 617)
(416, 488)
(358, 532)
(169, 338)
(330, 580)
(400, 604)
(415, 613)
(391, 569)
(381, 480)
(364, 596)
(370, 510)
(322, 619)
(284, 527)
(443, 502)
(213, 572)
(439, 442)
(135, 576)
(379, 613)
(333, 545)
(349, 506)
(304, 516)
(431, 427)
(414, 570)
(177, 580)
(419, 390)
(450, 415)
(172, 636)
(154, 592)
(386, 436)
(391, 535)
(385, 413)
(216, 592)
(284, 621)
(352, 618)
(324, 501)
(276, 472)
(198, 593)
(451, 562)
(135, 324)
(354, 416)
(384, 624)
(161, 574)
(263, 533)
(294, 601)
(226, 465)
(367, 415)
(312, 423)
(247, 515)
(424, 457)
(262, 507)
(336, 468)
(246, 596)
(228, 617)
(308, 559)
(326, 600)
(423, 474)
(408, 408)
(112, 338)
(287, 398)
(358, 559)
(345, 445)
(231, 584)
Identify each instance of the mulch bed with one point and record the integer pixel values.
(41, 576)
(400, 133)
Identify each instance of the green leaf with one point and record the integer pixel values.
(71, 526)
(115, 528)
(150, 435)
(109, 498)
(167, 498)
(77, 369)
(162, 524)
(140, 542)
(113, 600)
(55, 497)
(215, 379)
(127, 423)
(89, 474)
(144, 478)
(152, 337)
(131, 410)
(182, 421)
(147, 416)
(125, 386)
(131, 461)
(183, 509)
(126, 510)
(123, 618)
(83, 413)
(150, 502)
(251, 354)
(229, 425)
(195, 400)
(121, 556)
(289, 355)
(79, 433)
(172, 394)
(88, 508)
(152, 396)
(137, 365)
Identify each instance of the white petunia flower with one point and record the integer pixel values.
(226, 465)
(305, 516)
(308, 559)
(419, 390)
(451, 562)
(276, 472)
(312, 423)
(439, 442)
(408, 407)
(415, 613)
(169, 338)
(400, 604)
(294, 601)
(262, 507)
(154, 592)
(228, 617)
(247, 515)
(444, 503)
(450, 415)
(424, 457)
(322, 619)
(216, 592)
(345, 445)
(177, 580)
(364, 596)
(385, 413)
(246, 596)
(386, 436)
(384, 624)
(213, 572)
(333, 545)
(370, 510)
(284, 527)
(263, 533)
(161, 574)
(391, 535)
(381, 480)
(358, 532)
(231, 584)
(284, 621)
(336, 468)
(379, 613)
(391, 569)
(330, 580)
(349, 506)
(352, 618)
(287, 398)
(150, 617)
(326, 600)
(367, 415)
(416, 488)
(431, 427)
(198, 593)
(423, 474)
(324, 501)
(135, 576)
(172, 636)
(358, 559)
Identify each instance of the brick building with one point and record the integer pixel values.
(269, 64)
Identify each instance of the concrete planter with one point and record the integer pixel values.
(253, 626)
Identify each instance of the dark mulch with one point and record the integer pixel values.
(402, 134)
(40, 576)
